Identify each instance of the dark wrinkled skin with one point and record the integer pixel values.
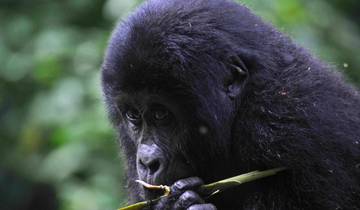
(202, 90)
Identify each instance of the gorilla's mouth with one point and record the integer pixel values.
(152, 194)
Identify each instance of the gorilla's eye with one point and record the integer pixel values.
(133, 115)
(161, 114)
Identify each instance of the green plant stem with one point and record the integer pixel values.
(215, 187)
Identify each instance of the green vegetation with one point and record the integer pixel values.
(54, 128)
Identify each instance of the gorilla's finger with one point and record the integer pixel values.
(187, 199)
(186, 184)
(207, 206)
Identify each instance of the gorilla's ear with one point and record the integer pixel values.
(239, 73)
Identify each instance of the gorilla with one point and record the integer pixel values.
(202, 90)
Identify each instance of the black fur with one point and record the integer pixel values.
(293, 110)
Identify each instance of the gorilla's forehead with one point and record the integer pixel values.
(144, 98)
(152, 81)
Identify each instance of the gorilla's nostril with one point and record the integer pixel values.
(154, 166)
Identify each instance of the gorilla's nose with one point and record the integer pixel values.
(150, 158)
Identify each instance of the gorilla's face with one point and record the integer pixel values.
(175, 132)
(155, 127)
(174, 123)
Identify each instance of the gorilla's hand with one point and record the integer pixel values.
(184, 196)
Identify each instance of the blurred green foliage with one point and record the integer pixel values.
(53, 121)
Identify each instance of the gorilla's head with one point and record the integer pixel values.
(173, 81)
